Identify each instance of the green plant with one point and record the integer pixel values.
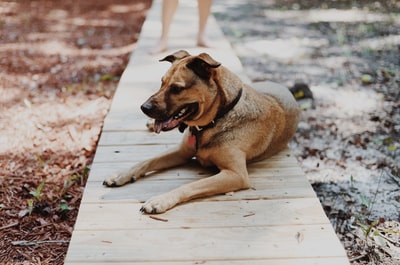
(366, 229)
(64, 206)
(365, 201)
(30, 206)
(41, 161)
(108, 77)
(37, 194)
(68, 182)
(72, 180)
(351, 181)
(81, 177)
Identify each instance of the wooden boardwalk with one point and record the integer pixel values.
(279, 221)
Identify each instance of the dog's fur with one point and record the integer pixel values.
(230, 124)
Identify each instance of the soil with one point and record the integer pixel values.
(348, 141)
(61, 62)
(60, 65)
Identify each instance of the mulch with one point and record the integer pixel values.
(60, 64)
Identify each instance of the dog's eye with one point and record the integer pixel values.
(176, 89)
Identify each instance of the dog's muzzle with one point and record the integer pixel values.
(148, 109)
(163, 122)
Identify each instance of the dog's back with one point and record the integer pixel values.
(285, 97)
(287, 124)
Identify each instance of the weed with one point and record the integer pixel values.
(30, 206)
(27, 211)
(68, 182)
(107, 77)
(366, 229)
(40, 160)
(351, 181)
(44, 163)
(37, 194)
(64, 206)
(76, 178)
(365, 201)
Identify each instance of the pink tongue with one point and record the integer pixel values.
(168, 124)
(157, 126)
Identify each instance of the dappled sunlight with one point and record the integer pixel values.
(60, 57)
(68, 122)
(347, 141)
(7, 7)
(345, 103)
(381, 42)
(344, 112)
(285, 49)
(135, 7)
(62, 72)
(329, 15)
(60, 64)
(78, 21)
(66, 35)
(56, 47)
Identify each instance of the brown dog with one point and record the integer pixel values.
(229, 123)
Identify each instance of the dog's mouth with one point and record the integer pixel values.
(182, 114)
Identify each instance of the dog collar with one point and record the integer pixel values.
(196, 129)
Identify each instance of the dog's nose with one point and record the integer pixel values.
(147, 108)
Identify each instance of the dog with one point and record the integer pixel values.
(225, 122)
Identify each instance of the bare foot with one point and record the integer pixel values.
(203, 42)
(162, 46)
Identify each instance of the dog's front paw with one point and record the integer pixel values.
(118, 179)
(158, 204)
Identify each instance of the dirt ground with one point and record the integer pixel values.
(60, 62)
(348, 141)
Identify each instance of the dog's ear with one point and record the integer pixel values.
(202, 65)
(175, 56)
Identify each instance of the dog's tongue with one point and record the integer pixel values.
(165, 125)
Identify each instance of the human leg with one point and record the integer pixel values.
(204, 7)
(168, 11)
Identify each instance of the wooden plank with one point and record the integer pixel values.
(266, 187)
(139, 137)
(125, 113)
(136, 153)
(124, 121)
(201, 214)
(297, 261)
(203, 244)
(193, 170)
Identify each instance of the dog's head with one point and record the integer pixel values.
(187, 93)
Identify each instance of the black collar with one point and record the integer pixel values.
(221, 113)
